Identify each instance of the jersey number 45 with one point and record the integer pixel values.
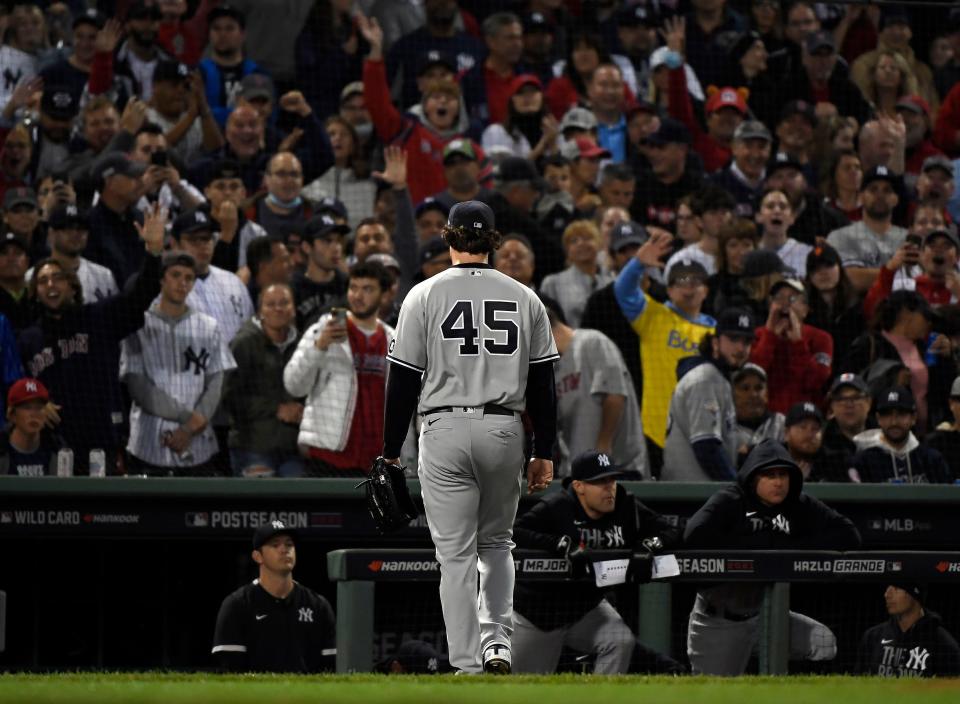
(503, 334)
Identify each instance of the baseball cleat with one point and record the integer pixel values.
(496, 660)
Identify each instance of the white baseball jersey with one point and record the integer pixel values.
(175, 356)
(222, 296)
(480, 331)
(96, 281)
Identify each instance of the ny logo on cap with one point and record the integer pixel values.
(433, 56)
(537, 17)
(31, 387)
(626, 230)
(71, 210)
(744, 321)
(277, 525)
(603, 460)
(809, 408)
(200, 217)
(327, 220)
(882, 171)
(893, 397)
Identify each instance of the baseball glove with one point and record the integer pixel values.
(388, 498)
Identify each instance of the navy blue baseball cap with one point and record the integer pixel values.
(268, 530)
(897, 398)
(227, 11)
(593, 466)
(626, 233)
(434, 247)
(65, 215)
(332, 206)
(431, 203)
(472, 215)
(803, 411)
(173, 71)
(671, 132)
(735, 322)
(321, 227)
(191, 222)
(434, 57)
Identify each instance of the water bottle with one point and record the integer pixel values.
(65, 462)
(98, 463)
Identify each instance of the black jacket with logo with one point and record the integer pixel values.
(257, 632)
(735, 518)
(926, 649)
(554, 605)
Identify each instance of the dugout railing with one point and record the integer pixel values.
(181, 545)
(358, 571)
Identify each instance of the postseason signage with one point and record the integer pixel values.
(694, 566)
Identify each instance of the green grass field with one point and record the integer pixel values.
(373, 689)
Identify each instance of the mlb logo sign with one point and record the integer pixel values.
(197, 520)
(6, 517)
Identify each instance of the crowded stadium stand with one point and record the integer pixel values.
(739, 216)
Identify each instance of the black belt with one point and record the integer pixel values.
(710, 610)
(489, 409)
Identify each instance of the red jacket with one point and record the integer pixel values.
(945, 131)
(715, 156)
(424, 145)
(919, 154)
(936, 293)
(796, 371)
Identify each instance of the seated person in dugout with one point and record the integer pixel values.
(275, 624)
(912, 642)
(765, 509)
(592, 513)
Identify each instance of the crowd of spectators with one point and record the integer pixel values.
(740, 215)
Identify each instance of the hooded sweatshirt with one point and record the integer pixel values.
(735, 518)
(925, 649)
(877, 461)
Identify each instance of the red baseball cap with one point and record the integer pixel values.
(24, 390)
(914, 103)
(524, 79)
(726, 98)
(588, 149)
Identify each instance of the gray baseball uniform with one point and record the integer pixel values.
(590, 369)
(472, 333)
(173, 367)
(701, 408)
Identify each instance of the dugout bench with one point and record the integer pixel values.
(358, 571)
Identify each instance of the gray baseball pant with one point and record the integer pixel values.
(600, 631)
(470, 470)
(719, 646)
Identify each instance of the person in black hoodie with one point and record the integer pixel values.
(592, 513)
(892, 452)
(74, 347)
(765, 509)
(912, 642)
